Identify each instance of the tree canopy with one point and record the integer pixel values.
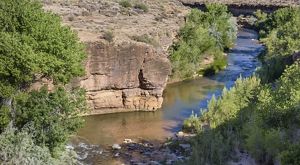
(34, 44)
(205, 34)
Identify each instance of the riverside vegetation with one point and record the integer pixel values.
(260, 114)
(205, 35)
(35, 125)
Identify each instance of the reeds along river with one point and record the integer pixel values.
(180, 101)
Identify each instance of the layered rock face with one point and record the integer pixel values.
(125, 77)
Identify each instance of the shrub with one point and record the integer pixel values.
(125, 3)
(141, 6)
(192, 124)
(54, 116)
(219, 63)
(108, 36)
(225, 117)
(208, 32)
(18, 148)
(146, 39)
(291, 156)
(280, 32)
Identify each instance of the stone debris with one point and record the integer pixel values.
(116, 147)
(153, 153)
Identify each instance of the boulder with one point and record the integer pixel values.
(116, 147)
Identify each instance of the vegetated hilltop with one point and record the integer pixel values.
(248, 2)
(127, 41)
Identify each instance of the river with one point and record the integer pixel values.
(180, 101)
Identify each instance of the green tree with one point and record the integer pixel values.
(205, 34)
(291, 156)
(280, 32)
(52, 116)
(34, 44)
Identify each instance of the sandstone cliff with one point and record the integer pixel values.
(127, 68)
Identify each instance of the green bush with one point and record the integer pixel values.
(291, 156)
(280, 32)
(54, 116)
(146, 39)
(108, 36)
(219, 64)
(192, 124)
(205, 33)
(18, 148)
(141, 6)
(4, 117)
(125, 3)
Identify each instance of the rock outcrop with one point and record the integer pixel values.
(127, 68)
(124, 77)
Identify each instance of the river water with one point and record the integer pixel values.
(180, 101)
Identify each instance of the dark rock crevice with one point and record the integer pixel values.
(144, 83)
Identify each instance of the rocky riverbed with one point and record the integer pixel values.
(136, 152)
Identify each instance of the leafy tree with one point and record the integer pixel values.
(280, 32)
(204, 34)
(34, 44)
(53, 116)
(291, 156)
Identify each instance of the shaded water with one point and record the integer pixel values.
(180, 100)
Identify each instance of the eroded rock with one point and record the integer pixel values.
(124, 77)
